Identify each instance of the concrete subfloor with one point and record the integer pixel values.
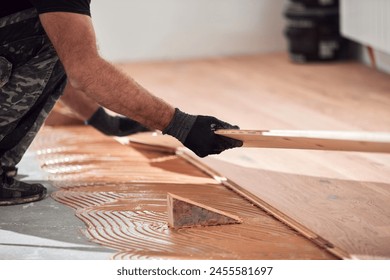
(44, 230)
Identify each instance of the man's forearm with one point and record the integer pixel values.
(130, 98)
(79, 104)
(74, 40)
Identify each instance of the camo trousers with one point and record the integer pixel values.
(31, 80)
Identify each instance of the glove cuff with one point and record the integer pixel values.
(96, 117)
(180, 125)
(103, 122)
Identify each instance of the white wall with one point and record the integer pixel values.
(129, 30)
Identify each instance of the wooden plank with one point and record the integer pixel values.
(183, 212)
(312, 140)
(347, 214)
(155, 140)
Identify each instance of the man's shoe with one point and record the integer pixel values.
(14, 192)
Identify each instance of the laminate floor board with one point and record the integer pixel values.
(269, 92)
(351, 215)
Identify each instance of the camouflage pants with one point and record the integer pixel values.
(31, 80)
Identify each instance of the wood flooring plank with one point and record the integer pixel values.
(375, 142)
(349, 214)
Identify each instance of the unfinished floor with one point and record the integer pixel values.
(342, 198)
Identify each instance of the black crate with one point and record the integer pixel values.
(313, 33)
(317, 3)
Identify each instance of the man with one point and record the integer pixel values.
(40, 41)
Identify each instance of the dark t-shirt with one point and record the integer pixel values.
(8, 7)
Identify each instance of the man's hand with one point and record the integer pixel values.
(197, 133)
(114, 125)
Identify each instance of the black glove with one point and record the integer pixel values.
(114, 125)
(197, 133)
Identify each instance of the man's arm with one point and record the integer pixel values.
(87, 110)
(79, 103)
(73, 37)
(74, 40)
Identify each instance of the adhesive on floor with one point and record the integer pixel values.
(120, 192)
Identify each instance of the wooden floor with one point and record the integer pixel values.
(120, 193)
(344, 197)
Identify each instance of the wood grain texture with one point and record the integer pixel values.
(348, 214)
(375, 142)
(342, 197)
(152, 140)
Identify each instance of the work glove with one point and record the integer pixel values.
(197, 133)
(114, 125)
